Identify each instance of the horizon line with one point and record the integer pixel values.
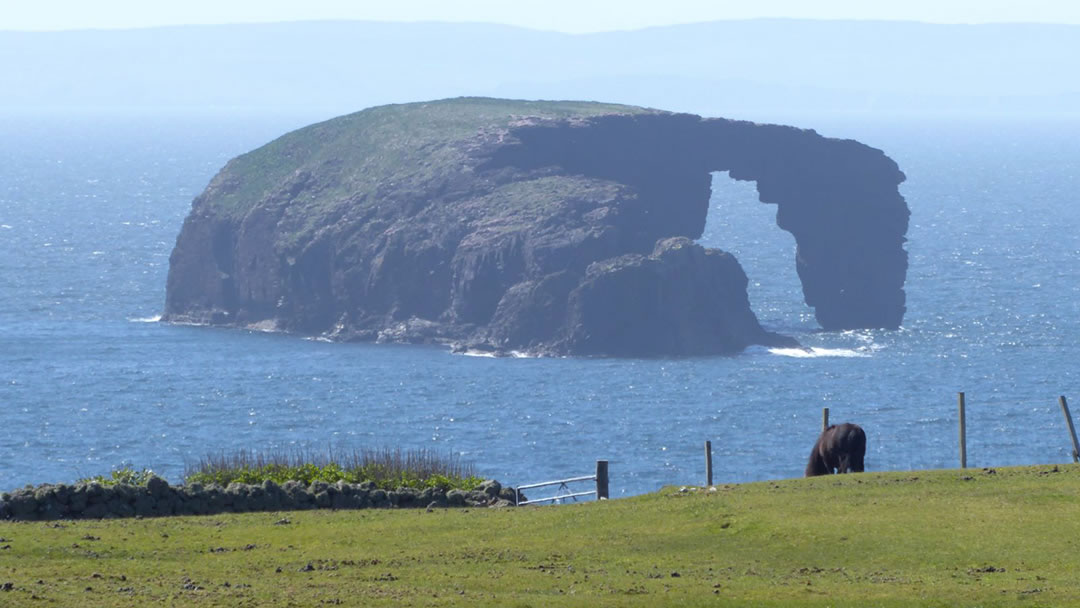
(132, 28)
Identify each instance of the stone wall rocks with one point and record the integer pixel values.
(157, 498)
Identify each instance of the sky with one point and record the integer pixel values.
(572, 16)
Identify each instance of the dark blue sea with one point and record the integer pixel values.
(90, 208)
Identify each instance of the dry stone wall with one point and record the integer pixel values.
(157, 498)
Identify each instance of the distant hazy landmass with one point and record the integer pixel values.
(754, 69)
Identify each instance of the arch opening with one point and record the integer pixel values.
(739, 223)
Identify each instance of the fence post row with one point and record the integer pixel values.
(1064, 410)
(602, 465)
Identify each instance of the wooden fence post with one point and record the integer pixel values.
(1072, 429)
(963, 434)
(708, 463)
(601, 480)
(824, 419)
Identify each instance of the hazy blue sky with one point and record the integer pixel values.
(561, 15)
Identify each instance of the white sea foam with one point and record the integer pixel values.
(478, 353)
(488, 354)
(810, 353)
(153, 319)
(5, 226)
(268, 326)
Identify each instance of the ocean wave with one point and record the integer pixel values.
(153, 319)
(477, 353)
(266, 326)
(814, 352)
(488, 354)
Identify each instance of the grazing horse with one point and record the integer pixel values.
(840, 449)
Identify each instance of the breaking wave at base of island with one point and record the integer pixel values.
(514, 354)
(814, 352)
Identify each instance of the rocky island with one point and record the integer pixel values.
(554, 228)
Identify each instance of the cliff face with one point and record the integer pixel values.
(538, 226)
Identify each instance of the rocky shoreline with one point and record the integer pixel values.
(92, 500)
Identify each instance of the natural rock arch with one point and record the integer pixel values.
(838, 198)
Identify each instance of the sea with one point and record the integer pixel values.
(92, 381)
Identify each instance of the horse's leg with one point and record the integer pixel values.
(845, 464)
(836, 462)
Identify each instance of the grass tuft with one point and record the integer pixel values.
(125, 475)
(387, 468)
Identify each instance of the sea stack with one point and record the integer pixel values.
(554, 228)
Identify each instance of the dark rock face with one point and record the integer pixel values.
(548, 227)
(681, 299)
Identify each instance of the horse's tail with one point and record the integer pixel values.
(858, 449)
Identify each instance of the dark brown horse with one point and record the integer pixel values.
(840, 449)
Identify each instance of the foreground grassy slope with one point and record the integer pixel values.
(939, 538)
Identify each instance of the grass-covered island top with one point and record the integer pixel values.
(375, 147)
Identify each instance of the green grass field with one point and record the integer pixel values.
(1005, 537)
